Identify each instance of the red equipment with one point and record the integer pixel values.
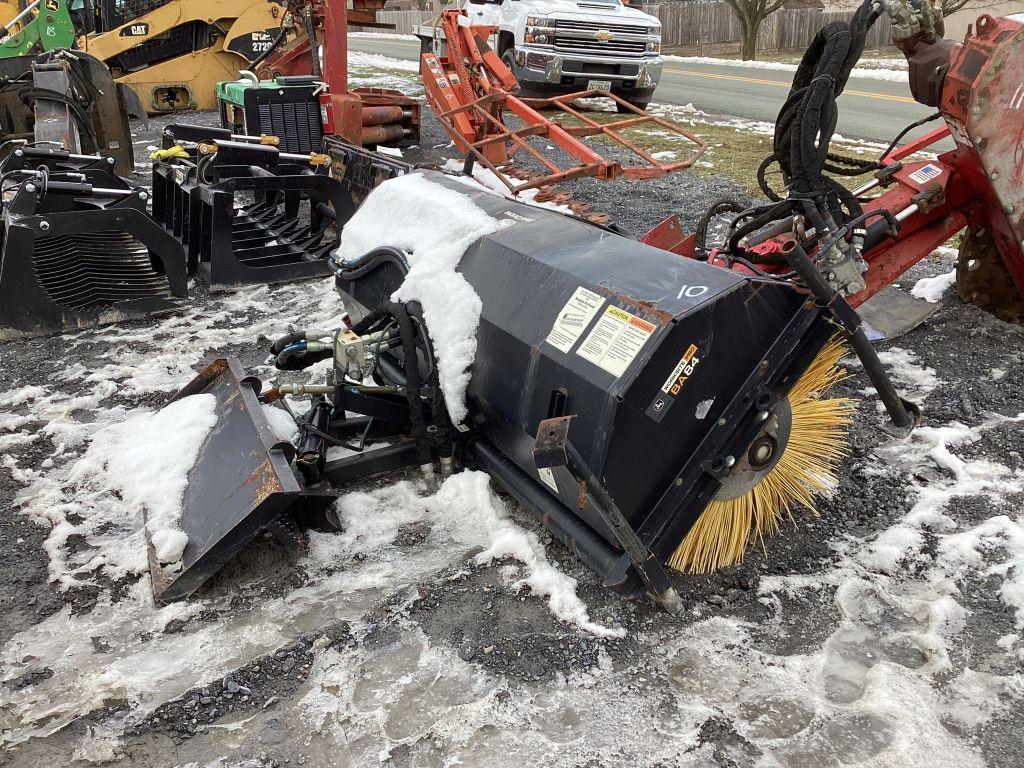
(471, 90)
(365, 116)
(978, 86)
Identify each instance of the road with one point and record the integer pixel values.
(869, 109)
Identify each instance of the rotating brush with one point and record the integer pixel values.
(813, 441)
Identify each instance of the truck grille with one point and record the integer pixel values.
(594, 26)
(599, 47)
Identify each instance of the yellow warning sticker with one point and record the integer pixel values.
(615, 340)
(574, 318)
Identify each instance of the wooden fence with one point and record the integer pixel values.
(698, 25)
(695, 26)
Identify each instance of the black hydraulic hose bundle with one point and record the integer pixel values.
(411, 367)
(274, 44)
(803, 134)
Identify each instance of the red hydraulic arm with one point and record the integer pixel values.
(978, 86)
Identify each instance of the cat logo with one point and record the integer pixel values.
(52, 5)
(135, 30)
(604, 35)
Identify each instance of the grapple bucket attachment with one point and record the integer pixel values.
(246, 218)
(82, 251)
(240, 486)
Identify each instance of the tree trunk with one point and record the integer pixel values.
(748, 51)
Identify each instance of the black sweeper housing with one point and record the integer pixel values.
(669, 367)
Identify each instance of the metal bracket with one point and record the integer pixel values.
(552, 448)
(549, 446)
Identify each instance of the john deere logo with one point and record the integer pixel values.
(51, 5)
(603, 35)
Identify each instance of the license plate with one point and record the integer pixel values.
(599, 85)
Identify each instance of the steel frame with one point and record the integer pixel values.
(470, 89)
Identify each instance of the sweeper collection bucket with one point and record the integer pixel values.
(240, 488)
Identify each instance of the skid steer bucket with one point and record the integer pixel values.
(240, 487)
(79, 249)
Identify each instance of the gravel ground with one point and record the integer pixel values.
(871, 635)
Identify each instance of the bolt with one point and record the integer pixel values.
(110, 161)
(19, 153)
(721, 422)
(679, 481)
(1008, 209)
(762, 416)
(44, 225)
(730, 461)
(30, 187)
(143, 195)
(977, 140)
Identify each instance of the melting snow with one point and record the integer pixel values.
(932, 288)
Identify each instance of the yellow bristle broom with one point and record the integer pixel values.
(807, 467)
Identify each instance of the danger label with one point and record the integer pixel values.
(574, 318)
(616, 339)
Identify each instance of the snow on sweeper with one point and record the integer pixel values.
(656, 403)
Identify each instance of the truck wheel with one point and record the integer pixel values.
(508, 58)
(625, 110)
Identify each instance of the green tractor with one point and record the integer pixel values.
(44, 25)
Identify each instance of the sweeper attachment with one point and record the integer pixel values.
(78, 247)
(617, 391)
(654, 407)
(247, 212)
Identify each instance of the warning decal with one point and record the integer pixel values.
(574, 318)
(548, 476)
(615, 340)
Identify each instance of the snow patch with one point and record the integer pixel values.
(931, 289)
(484, 177)
(143, 464)
(376, 60)
(903, 366)
(281, 422)
(451, 307)
(466, 510)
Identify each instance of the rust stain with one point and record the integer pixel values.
(264, 478)
(648, 307)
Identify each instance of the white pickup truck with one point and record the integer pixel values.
(560, 46)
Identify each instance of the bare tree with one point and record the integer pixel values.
(751, 14)
(952, 6)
